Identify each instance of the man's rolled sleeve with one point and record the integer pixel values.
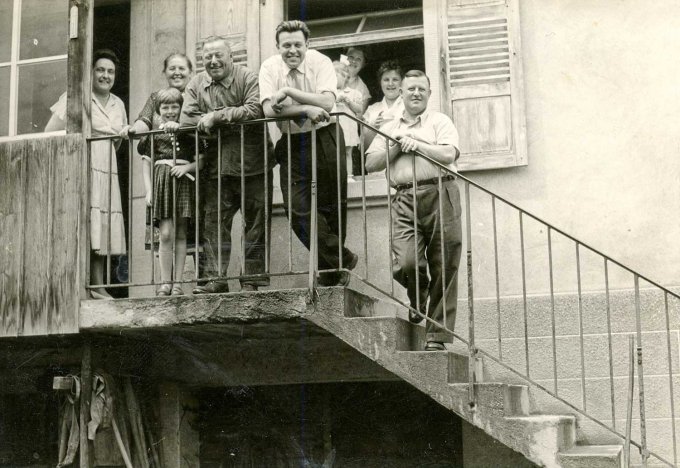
(191, 114)
(267, 82)
(326, 79)
(445, 132)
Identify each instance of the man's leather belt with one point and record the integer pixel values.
(433, 181)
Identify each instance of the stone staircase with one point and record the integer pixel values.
(506, 410)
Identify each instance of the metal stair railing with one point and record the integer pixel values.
(385, 285)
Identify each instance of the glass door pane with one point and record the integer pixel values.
(44, 28)
(40, 85)
(6, 8)
(4, 101)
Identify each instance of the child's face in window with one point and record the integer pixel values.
(169, 112)
(342, 74)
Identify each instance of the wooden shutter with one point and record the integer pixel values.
(237, 21)
(486, 86)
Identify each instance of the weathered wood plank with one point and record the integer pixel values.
(11, 236)
(40, 203)
(63, 277)
(79, 64)
(35, 296)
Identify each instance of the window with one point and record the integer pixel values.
(33, 48)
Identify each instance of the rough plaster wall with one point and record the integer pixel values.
(601, 95)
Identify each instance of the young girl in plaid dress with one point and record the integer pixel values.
(171, 170)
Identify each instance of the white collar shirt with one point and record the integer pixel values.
(317, 76)
(430, 127)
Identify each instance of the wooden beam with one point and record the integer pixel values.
(261, 307)
(233, 362)
(86, 452)
(178, 410)
(79, 64)
(344, 40)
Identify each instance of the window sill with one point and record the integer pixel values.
(30, 136)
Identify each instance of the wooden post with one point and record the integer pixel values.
(86, 453)
(79, 101)
(180, 444)
(79, 64)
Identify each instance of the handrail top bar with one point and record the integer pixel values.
(437, 164)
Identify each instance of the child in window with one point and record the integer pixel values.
(349, 101)
(170, 167)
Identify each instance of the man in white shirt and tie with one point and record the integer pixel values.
(300, 84)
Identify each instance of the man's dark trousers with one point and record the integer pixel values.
(442, 259)
(254, 216)
(328, 208)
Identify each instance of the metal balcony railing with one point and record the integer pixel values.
(602, 414)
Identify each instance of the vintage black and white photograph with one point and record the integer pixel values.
(339, 233)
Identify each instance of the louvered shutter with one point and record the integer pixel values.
(236, 21)
(485, 79)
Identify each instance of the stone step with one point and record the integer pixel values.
(499, 398)
(360, 305)
(544, 433)
(592, 456)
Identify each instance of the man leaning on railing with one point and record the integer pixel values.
(426, 228)
(228, 94)
(300, 84)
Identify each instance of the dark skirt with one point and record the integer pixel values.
(162, 199)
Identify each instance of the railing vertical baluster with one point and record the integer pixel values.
(552, 308)
(524, 294)
(471, 303)
(290, 205)
(219, 202)
(88, 216)
(197, 216)
(243, 202)
(314, 239)
(580, 326)
(108, 227)
(440, 198)
(152, 169)
(609, 341)
(416, 261)
(266, 201)
(174, 272)
(641, 375)
(362, 150)
(130, 217)
(497, 276)
(629, 404)
(670, 378)
(389, 213)
(339, 159)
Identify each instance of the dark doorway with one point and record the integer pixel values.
(112, 31)
(368, 425)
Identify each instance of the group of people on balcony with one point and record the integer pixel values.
(300, 87)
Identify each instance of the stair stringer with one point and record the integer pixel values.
(538, 437)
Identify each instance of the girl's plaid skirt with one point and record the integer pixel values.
(162, 198)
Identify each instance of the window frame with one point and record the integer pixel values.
(14, 63)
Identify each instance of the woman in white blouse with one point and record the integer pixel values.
(391, 106)
(108, 118)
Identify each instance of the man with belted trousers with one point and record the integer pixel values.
(226, 93)
(418, 214)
